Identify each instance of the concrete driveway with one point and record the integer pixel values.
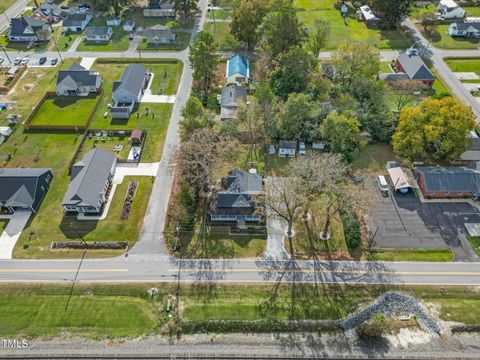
(275, 241)
(12, 232)
(403, 221)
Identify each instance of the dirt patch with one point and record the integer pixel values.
(407, 337)
(28, 87)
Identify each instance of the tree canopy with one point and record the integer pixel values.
(435, 129)
(342, 133)
(392, 11)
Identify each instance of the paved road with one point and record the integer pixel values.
(148, 260)
(13, 11)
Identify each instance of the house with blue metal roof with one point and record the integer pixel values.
(238, 70)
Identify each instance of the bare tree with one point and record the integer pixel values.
(284, 198)
(404, 91)
(202, 155)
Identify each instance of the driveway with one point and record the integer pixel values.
(275, 241)
(403, 221)
(12, 232)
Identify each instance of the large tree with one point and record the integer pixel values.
(342, 133)
(193, 118)
(280, 30)
(293, 72)
(203, 61)
(355, 61)
(112, 5)
(318, 36)
(202, 155)
(246, 19)
(184, 7)
(392, 11)
(284, 199)
(435, 129)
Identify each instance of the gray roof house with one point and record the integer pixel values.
(128, 90)
(159, 34)
(230, 98)
(470, 28)
(77, 81)
(237, 201)
(23, 188)
(287, 148)
(77, 21)
(98, 33)
(28, 29)
(90, 182)
(48, 11)
(412, 64)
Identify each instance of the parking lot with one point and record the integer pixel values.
(403, 221)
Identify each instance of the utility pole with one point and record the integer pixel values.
(53, 35)
(6, 54)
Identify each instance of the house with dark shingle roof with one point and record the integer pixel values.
(437, 182)
(77, 81)
(238, 70)
(98, 34)
(90, 182)
(128, 90)
(469, 28)
(158, 34)
(232, 96)
(238, 199)
(28, 29)
(76, 22)
(23, 188)
(48, 11)
(412, 64)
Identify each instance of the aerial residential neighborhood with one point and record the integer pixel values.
(261, 179)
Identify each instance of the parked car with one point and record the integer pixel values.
(1, 60)
(302, 149)
(25, 61)
(382, 185)
(17, 61)
(42, 60)
(272, 150)
(54, 61)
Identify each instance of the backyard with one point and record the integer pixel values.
(118, 42)
(65, 110)
(348, 29)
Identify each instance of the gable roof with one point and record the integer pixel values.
(158, 31)
(131, 81)
(414, 66)
(24, 187)
(232, 94)
(467, 25)
(21, 24)
(287, 144)
(76, 76)
(450, 178)
(76, 19)
(89, 177)
(240, 185)
(98, 30)
(49, 8)
(238, 65)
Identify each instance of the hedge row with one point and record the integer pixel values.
(136, 61)
(96, 245)
(259, 326)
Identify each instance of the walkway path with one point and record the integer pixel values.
(12, 232)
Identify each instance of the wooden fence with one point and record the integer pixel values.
(6, 88)
(66, 128)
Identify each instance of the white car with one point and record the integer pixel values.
(17, 61)
(302, 149)
(25, 61)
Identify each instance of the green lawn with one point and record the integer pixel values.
(436, 255)
(439, 38)
(118, 42)
(349, 29)
(65, 110)
(50, 224)
(464, 64)
(475, 242)
(65, 41)
(3, 225)
(156, 125)
(7, 4)
(108, 145)
(166, 77)
(42, 311)
(221, 32)
(374, 157)
(459, 309)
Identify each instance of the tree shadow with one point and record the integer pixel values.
(74, 229)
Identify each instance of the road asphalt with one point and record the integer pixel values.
(149, 261)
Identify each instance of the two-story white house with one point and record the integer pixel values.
(98, 34)
(449, 9)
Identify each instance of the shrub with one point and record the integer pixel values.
(374, 328)
(351, 229)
